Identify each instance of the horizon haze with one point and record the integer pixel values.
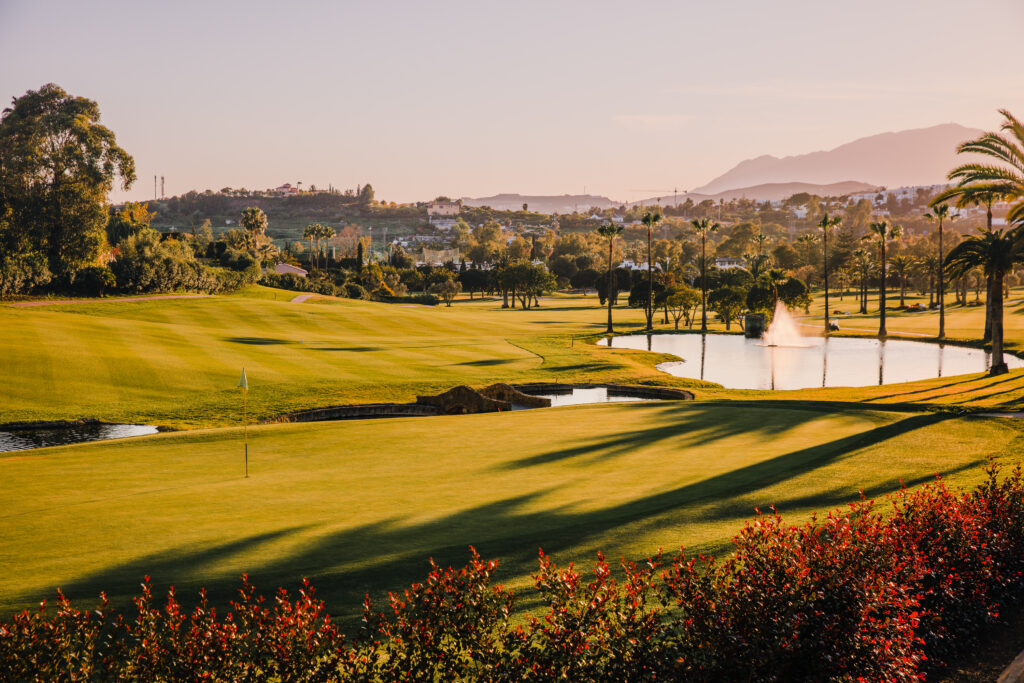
(464, 99)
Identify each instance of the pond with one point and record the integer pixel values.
(737, 362)
(583, 395)
(24, 439)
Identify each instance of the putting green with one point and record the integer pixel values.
(359, 506)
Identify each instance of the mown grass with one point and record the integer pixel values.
(176, 362)
(359, 506)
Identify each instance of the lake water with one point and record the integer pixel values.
(582, 395)
(24, 439)
(736, 362)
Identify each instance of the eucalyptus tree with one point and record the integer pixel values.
(826, 224)
(995, 252)
(650, 219)
(940, 213)
(610, 232)
(884, 233)
(703, 227)
(58, 163)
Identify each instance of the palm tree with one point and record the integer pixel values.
(863, 267)
(776, 277)
(310, 233)
(883, 232)
(901, 266)
(325, 233)
(703, 227)
(939, 213)
(1005, 179)
(610, 232)
(825, 224)
(979, 183)
(995, 252)
(930, 266)
(650, 220)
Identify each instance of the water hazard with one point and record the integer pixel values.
(584, 395)
(736, 362)
(24, 439)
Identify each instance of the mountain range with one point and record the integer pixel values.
(922, 156)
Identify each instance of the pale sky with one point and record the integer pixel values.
(624, 99)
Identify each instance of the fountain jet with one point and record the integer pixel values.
(783, 331)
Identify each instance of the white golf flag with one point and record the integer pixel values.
(242, 382)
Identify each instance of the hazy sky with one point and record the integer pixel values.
(626, 99)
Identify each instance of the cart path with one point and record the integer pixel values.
(301, 298)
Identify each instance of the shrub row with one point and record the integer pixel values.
(861, 594)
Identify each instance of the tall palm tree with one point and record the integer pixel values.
(930, 266)
(1005, 178)
(310, 233)
(776, 277)
(863, 267)
(995, 252)
(704, 227)
(901, 265)
(610, 232)
(883, 232)
(939, 213)
(826, 224)
(326, 233)
(650, 219)
(980, 183)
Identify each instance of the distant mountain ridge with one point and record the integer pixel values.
(566, 203)
(768, 192)
(921, 156)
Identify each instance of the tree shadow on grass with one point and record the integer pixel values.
(346, 564)
(257, 341)
(489, 362)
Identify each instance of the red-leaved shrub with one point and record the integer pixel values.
(860, 594)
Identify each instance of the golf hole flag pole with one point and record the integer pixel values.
(243, 384)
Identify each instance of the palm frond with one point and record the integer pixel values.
(975, 173)
(997, 146)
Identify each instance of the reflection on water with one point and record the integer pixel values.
(736, 362)
(583, 395)
(24, 439)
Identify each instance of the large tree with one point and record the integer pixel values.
(995, 252)
(57, 166)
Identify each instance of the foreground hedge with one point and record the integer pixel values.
(861, 594)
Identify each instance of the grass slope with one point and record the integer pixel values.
(176, 362)
(359, 506)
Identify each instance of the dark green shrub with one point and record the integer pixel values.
(354, 291)
(94, 281)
